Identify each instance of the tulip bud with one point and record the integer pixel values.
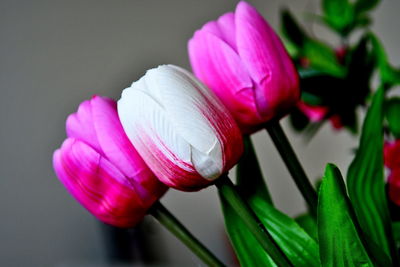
(242, 60)
(99, 166)
(181, 130)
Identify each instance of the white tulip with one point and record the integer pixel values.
(182, 131)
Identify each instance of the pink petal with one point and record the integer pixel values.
(120, 151)
(223, 28)
(217, 65)
(267, 61)
(394, 186)
(392, 154)
(313, 113)
(172, 171)
(80, 125)
(98, 185)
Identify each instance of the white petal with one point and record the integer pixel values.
(177, 112)
(142, 116)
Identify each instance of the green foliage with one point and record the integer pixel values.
(300, 248)
(389, 75)
(309, 224)
(321, 56)
(344, 16)
(340, 240)
(392, 112)
(366, 184)
(339, 15)
(247, 248)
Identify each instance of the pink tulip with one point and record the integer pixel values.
(243, 61)
(101, 169)
(181, 130)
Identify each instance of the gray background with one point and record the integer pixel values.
(54, 54)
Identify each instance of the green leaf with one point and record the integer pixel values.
(247, 248)
(389, 75)
(322, 58)
(392, 112)
(309, 224)
(339, 237)
(362, 6)
(339, 15)
(320, 55)
(366, 184)
(300, 248)
(249, 168)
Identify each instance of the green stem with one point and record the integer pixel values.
(175, 227)
(229, 194)
(292, 163)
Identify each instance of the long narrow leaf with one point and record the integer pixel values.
(247, 248)
(339, 239)
(300, 248)
(366, 184)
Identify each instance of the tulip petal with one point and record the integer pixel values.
(150, 131)
(97, 184)
(79, 125)
(313, 113)
(223, 28)
(120, 151)
(220, 68)
(186, 105)
(267, 61)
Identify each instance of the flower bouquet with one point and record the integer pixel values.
(174, 129)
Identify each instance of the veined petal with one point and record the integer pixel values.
(223, 28)
(120, 151)
(220, 68)
(267, 61)
(182, 101)
(179, 127)
(149, 130)
(97, 184)
(80, 125)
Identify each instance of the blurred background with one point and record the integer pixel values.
(55, 54)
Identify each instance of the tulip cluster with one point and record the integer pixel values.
(170, 130)
(392, 162)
